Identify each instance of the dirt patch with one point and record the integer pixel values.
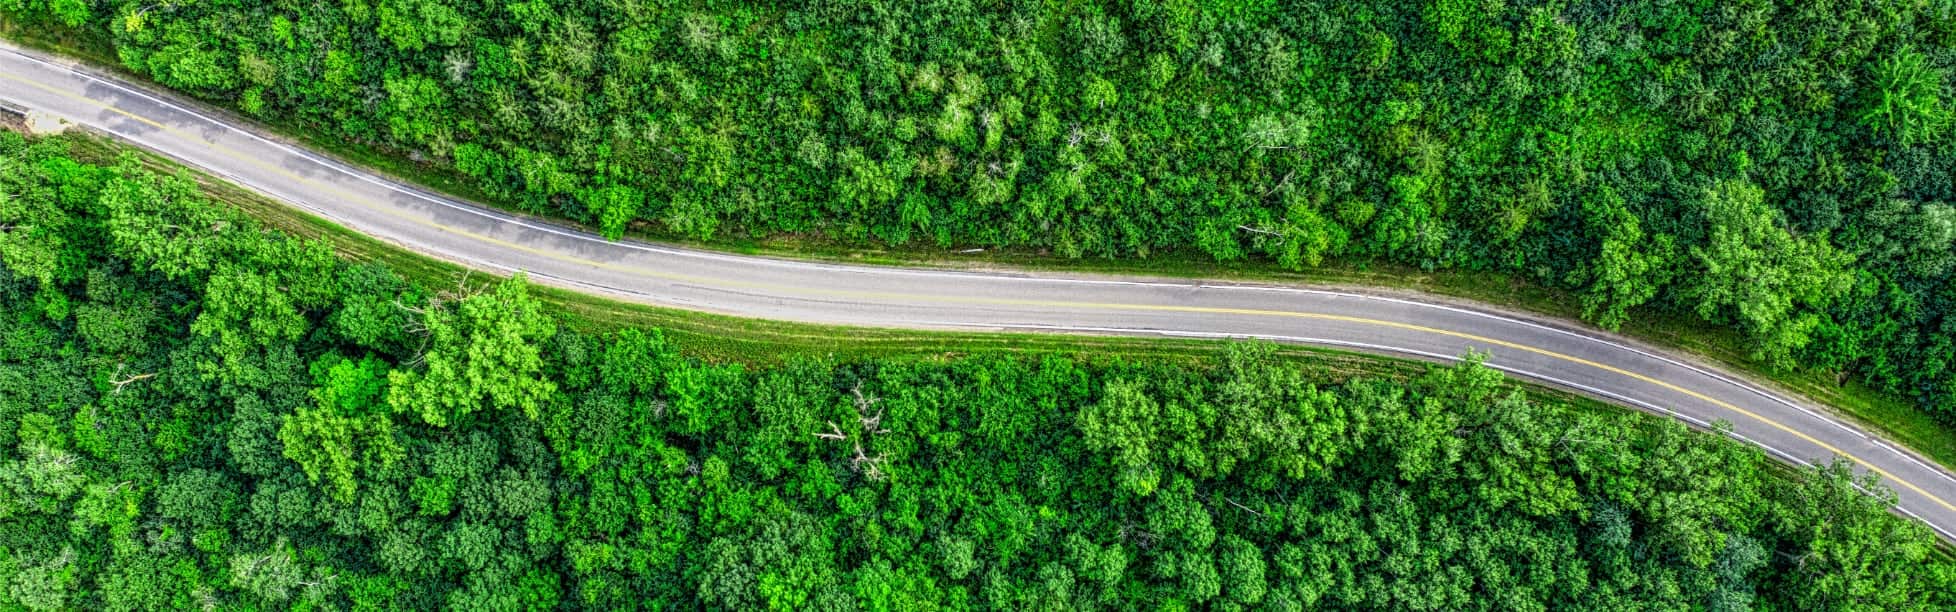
(43, 124)
(13, 119)
(29, 122)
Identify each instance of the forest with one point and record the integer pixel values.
(1783, 168)
(197, 411)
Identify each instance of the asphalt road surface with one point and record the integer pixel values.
(1562, 354)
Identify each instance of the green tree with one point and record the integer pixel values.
(1906, 102)
(347, 428)
(483, 353)
(1846, 554)
(1124, 422)
(1629, 268)
(1752, 270)
(1243, 571)
(38, 234)
(1271, 418)
(413, 25)
(270, 575)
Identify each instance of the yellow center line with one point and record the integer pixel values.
(106, 107)
(364, 202)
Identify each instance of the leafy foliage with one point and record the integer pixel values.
(486, 355)
(1908, 98)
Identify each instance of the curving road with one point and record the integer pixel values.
(1588, 361)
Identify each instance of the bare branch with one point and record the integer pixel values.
(835, 433)
(862, 402)
(119, 384)
(1258, 230)
(871, 423)
(1243, 507)
(871, 467)
(398, 304)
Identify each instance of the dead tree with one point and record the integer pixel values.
(870, 424)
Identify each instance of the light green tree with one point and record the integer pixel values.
(1752, 271)
(484, 353)
(349, 426)
(1907, 102)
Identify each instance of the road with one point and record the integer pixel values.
(1562, 354)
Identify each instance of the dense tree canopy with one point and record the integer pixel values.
(1783, 167)
(331, 436)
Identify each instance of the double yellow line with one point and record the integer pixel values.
(914, 298)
